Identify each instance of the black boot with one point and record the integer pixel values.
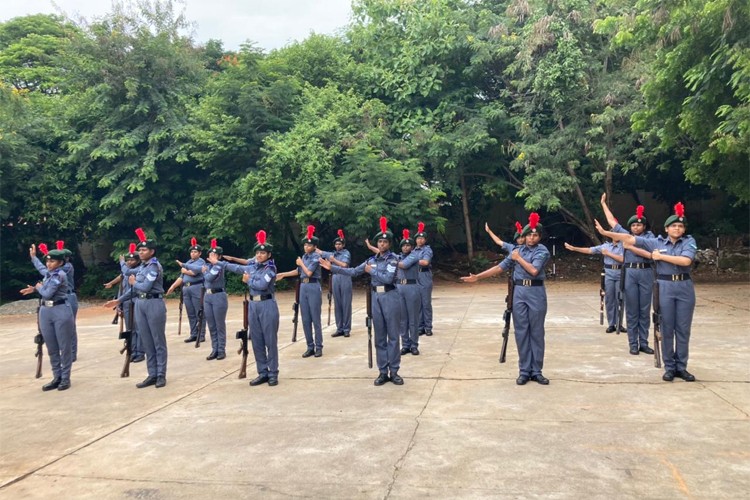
(54, 384)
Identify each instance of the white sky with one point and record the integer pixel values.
(270, 24)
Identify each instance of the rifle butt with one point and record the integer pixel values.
(243, 365)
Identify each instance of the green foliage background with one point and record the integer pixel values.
(437, 110)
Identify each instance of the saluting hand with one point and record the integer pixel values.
(32, 250)
(604, 199)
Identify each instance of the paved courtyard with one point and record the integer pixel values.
(605, 427)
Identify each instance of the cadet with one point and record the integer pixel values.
(129, 266)
(639, 280)
(150, 311)
(215, 302)
(69, 271)
(424, 252)
(310, 298)
(386, 303)
(673, 256)
(613, 259)
(411, 301)
(262, 310)
(191, 280)
(529, 301)
(55, 317)
(341, 286)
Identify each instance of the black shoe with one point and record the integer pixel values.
(138, 358)
(338, 333)
(211, 356)
(382, 379)
(668, 376)
(308, 353)
(346, 334)
(318, 352)
(610, 329)
(221, 355)
(522, 379)
(685, 375)
(273, 381)
(421, 332)
(623, 329)
(190, 339)
(428, 333)
(161, 381)
(146, 382)
(405, 350)
(65, 384)
(396, 379)
(54, 384)
(646, 349)
(634, 351)
(260, 379)
(541, 379)
(414, 351)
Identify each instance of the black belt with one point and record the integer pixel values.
(638, 265)
(612, 266)
(150, 295)
(383, 288)
(52, 303)
(310, 280)
(674, 277)
(425, 269)
(528, 282)
(214, 290)
(258, 298)
(406, 282)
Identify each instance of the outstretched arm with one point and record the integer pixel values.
(472, 278)
(585, 250)
(607, 212)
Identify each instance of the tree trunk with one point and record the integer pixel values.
(467, 221)
(590, 229)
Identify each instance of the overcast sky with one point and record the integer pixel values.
(271, 24)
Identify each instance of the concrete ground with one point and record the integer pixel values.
(606, 426)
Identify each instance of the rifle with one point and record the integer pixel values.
(656, 320)
(118, 313)
(620, 300)
(602, 293)
(330, 296)
(200, 319)
(295, 308)
(242, 336)
(127, 336)
(507, 315)
(39, 341)
(368, 323)
(179, 323)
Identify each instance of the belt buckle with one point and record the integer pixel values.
(209, 291)
(305, 280)
(141, 295)
(48, 303)
(380, 289)
(526, 282)
(676, 277)
(186, 284)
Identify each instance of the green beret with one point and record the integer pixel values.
(150, 244)
(264, 247)
(56, 255)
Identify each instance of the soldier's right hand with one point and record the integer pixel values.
(32, 250)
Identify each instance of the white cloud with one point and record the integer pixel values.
(270, 24)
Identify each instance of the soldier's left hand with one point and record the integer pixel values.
(111, 303)
(325, 264)
(27, 290)
(656, 255)
(298, 261)
(471, 278)
(515, 255)
(598, 227)
(245, 278)
(368, 268)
